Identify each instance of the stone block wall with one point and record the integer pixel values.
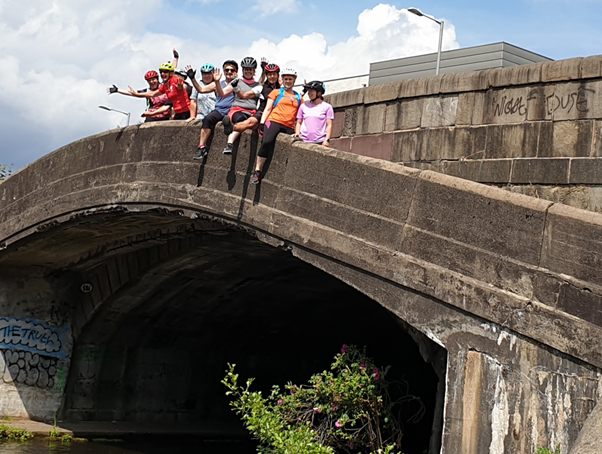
(533, 129)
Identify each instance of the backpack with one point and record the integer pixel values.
(281, 95)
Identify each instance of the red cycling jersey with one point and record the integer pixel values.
(179, 98)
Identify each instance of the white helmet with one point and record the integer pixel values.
(288, 72)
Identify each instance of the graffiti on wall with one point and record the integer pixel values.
(577, 101)
(29, 369)
(34, 336)
(33, 353)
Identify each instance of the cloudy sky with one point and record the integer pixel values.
(58, 56)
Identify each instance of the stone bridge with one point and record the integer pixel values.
(130, 275)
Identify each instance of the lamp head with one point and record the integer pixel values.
(416, 11)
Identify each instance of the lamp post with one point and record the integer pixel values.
(115, 110)
(441, 23)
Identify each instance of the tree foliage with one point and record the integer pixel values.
(347, 409)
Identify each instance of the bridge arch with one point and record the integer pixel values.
(470, 267)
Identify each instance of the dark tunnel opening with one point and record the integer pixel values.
(158, 349)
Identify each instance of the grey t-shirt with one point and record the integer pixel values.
(248, 104)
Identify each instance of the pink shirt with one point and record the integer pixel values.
(313, 128)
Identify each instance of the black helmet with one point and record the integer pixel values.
(231, 63)
(315, 85)
(248, 62)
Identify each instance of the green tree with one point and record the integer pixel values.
(347, 409)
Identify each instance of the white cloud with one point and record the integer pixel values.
(60, 55)
(384, 32)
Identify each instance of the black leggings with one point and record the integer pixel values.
(212, 118)
(269, 138)
(182, 115)
(239, 117)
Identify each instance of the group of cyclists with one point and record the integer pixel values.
(268, 105)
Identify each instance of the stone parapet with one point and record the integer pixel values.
(538, 124)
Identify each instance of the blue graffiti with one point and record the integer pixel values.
(32, 335)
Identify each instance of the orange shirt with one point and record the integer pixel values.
(285, 112)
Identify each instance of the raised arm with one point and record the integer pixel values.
(209, 88)
(221, 92)
(114, 89)
(146, 94)
(176, 58)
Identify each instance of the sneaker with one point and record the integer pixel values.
(228, 149)
(255, 177)
(201, 152)
(227, 124)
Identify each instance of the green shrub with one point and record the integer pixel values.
(5, 172)
(14, 433)
(346, 409)
(548, 451)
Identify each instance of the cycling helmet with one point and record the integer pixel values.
(272, 68)
(150, 75)
(289, 72)
(248, 62)
(167, 66)
(231, 63)
(181, 73)
(315, 85)
(207, 68)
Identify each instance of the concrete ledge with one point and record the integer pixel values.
(346, 98)
(561, 70)
(583, 231)
(382, 92)
(591, 67)
(515, 75)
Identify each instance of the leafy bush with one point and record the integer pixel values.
(347, 409)
(5, 172)
(548, 451)
(14, 433)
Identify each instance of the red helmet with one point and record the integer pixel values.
(272, 68)
(151, 74)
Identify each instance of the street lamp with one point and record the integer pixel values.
(421, 14)
(115, 110)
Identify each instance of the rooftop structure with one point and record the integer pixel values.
(488, 56)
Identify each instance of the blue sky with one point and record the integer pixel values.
(60, 55)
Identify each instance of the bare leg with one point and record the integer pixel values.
(249, 123)
(260, 163)
(232, 137)
(205, 133)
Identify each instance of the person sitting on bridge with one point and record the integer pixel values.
(202, 98)
(279, 116)
(225, 98)
(314, 119)
(270, 79)
(245, 102)
(183, 75)
(173, 87)
(157, 108)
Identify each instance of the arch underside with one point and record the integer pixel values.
(473, 269)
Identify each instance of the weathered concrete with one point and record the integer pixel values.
(477, 269)
(538, 111)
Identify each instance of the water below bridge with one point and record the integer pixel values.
(42, 445)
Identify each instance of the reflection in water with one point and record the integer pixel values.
(43, 446)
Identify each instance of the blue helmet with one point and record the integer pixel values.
(207, 68)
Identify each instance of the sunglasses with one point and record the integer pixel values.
(229, 70)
